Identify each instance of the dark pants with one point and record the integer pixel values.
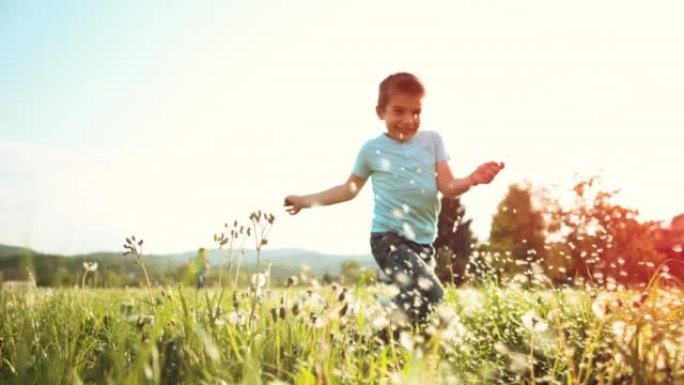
(410, 266)
(202, 279)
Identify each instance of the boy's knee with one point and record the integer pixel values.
(431, 288)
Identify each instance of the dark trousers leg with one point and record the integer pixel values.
(411, 267)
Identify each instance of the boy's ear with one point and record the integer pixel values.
(379, 111)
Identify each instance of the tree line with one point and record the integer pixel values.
(588, 239)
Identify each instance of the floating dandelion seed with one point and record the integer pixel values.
(398, 213)
(408, 231)
(402, 278)
(425, 284)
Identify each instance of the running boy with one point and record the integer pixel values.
(408, 169)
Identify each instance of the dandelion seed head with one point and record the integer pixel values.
(519, 362)
(237, 317)
(406, 341)
(380, 322)
(258, 280)
(533, 322)
(90, 266)
(148, 372)
(501, 348)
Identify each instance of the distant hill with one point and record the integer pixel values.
(6, 250)
(286, 258)
(291, 257)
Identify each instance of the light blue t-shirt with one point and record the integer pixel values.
(404, 183)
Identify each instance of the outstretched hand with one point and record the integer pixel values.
(486, 172)
(294, 203)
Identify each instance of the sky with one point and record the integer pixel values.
(167, 119)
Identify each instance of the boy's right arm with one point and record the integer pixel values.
(341, 193)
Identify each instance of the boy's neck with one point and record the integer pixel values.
(398, 138)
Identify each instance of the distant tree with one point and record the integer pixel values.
(517, 235)
(605, 241)
(351, 271)
(327, 278)
(454, 241)
(671, 244)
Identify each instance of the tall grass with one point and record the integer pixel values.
(322, 336)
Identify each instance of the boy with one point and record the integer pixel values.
(409, 168)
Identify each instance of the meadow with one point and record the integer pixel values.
(491, 334)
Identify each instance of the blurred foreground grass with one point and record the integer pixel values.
(328, 335)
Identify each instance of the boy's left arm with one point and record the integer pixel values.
(451, 187)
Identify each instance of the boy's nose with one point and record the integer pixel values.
(411, 119)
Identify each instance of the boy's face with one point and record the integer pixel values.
(401, 115)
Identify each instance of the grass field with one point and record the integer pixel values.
(329, 335)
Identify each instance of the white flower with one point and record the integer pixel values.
(380, 322)
(292, 281)
(258, 280)
(90, 266)
(237, 317)
(532, 322)
(602, 305)
(406, 341)
(501, 348)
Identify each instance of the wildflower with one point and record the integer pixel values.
(292, 281)
(502, 349)
(532, 322)
(144, 319)
(602, 305)
(344, 309)
(520, 363)
(90, 266)
(406, 341)
(637, 302)
(312, 301)
(237, 317)
(342, 295)
(380, 322)
(258, 280)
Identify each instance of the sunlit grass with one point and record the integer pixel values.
(329, 335)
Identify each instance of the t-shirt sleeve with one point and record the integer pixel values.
(440, 151)
(362, 167)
